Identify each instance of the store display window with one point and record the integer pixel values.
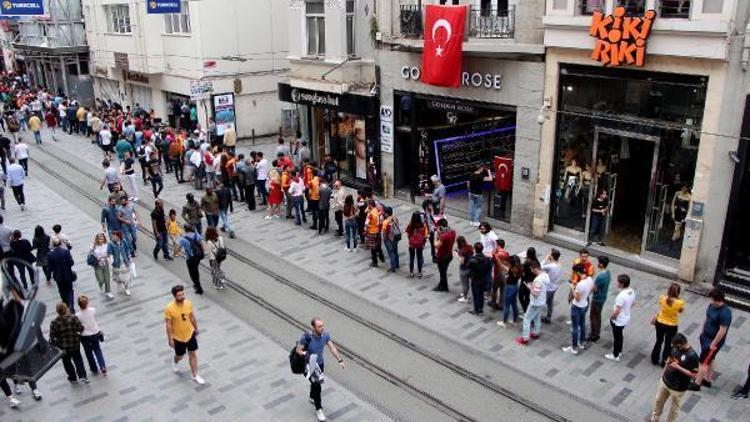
(627, 146)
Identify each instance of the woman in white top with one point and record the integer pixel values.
(101, 265)
(91, 336)
(620, 315)
(215, 246)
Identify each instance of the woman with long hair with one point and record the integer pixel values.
(120, 252)
(41, 243)
(373, 225)
(350, 223)
(214, 243)
(464, 251)
(515, 273)
(100, 251)
(418, 235)
(274, 194)
(665, 323)
(524, 294)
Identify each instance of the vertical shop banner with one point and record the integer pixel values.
(163, 6)
(443, 40)
(223, 113)
(22, 7)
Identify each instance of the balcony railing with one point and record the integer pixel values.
(679, 9)
(482, 22)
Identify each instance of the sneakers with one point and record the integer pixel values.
(321, 416)
(462, 299)
(546, 321)
(347, 249)
(522, 341)
(568, 322)
(85, 380)
(199, 380)
(175, 366)
(612, 357)
(501, 324)
(110, 296)
(127, 292)
(14, 402)
(739, 395)
(570, 349)
(535, 336)
(37, 394)
(17, 390)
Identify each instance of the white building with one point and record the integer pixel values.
(151, 59)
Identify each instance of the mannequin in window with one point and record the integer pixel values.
(680, 205)
(572, 180)
(586, 179)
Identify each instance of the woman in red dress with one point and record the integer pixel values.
(274, 195)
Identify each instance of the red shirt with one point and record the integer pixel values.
(445, 249)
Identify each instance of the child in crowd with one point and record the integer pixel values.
(175, 233)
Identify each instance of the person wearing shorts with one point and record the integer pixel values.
(182, 329)
(713, 336)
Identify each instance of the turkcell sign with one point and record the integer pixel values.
(163, 6)
(22, 8)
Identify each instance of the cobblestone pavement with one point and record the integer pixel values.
(247, 374)
(626, 387)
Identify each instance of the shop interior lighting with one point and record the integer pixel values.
(456, 139)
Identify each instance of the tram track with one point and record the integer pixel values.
(374, 368)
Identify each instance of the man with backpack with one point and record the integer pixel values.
(311, 348)
(174, 155)
(192, 245)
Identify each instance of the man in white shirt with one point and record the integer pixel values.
(15, 178)
(297, 191)
(552, 267)
(105, 137)
(538, 289)
(260, 181)
(21, 152)
(578, 308)
(621, 314)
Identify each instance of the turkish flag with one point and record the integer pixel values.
(443, 39)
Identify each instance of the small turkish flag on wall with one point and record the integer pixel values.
(443, 39)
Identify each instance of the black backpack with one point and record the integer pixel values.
(297, 362)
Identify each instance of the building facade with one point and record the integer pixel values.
(641, 103)
(331, 94)
(238, 48)
(52, 49)
(490, 119)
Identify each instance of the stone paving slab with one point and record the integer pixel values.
(247, 374)
(626, 387)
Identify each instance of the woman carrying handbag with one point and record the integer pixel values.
(119, 251)
(217, 253)
(91, 336)
(98, 259)
(665, 323)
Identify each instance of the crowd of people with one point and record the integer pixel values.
(139, 149)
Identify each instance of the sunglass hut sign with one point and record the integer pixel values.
(621, 39)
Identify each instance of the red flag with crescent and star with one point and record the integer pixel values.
(443, 39)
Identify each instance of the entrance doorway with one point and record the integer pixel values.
(625, 166)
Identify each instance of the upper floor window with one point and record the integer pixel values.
(632, 7)
(178, 23)
(713, 6)
(350, 27)
(588, 7)
(560, 4)
(118, 18)
(316, 27)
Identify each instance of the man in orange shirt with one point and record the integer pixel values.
(314, 198)
(286, 182)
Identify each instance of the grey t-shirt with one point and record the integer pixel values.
(438, 194)
(110, 174)
(5, 233)
(127, 213)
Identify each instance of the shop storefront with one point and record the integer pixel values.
(450, 138)
(178, 109)
(633, 135)
(342, 126)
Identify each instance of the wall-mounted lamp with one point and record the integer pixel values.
(542, 116)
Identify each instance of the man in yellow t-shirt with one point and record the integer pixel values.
(182, 328)
(35, 126)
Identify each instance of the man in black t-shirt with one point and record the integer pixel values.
(599, 209)
(153, 166)
(127, 169)
(679, 370)
(159, 226)
(476, 198)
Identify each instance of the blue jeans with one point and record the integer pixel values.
(224, 216)
(533, 315)
(597, 227)
(350, 230)
(475, 207)
(212, 220)
(298, 202)
(578, 325)
(392, 248)
(510, 300)
(131, 231)
(162, 242)
(93, 352)
(261, 186)
(38, 137)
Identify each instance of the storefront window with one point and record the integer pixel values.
(634, 136)
(348, 144)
